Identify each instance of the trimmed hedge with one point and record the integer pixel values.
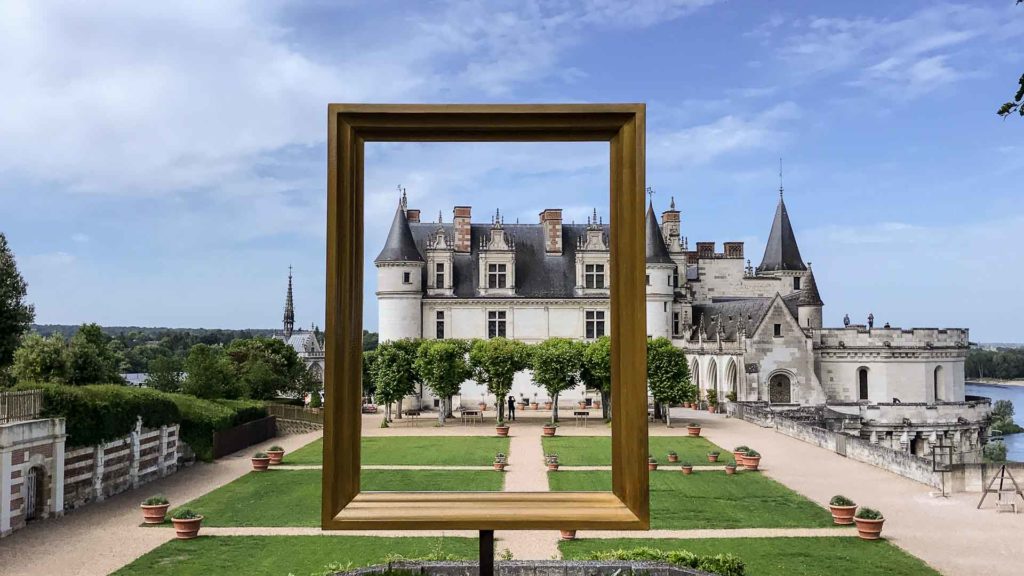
(104, 412)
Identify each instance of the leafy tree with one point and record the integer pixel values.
(369, 340)
(668, 374)
(165, 374)
(556, 364)
(597, 373)
(267, 367)
(40, 359)
(409, 348)
(495, 363)
(1002, 418)
(369, 357)
(15, 315)
(1014, 105)
(91, 359)
(393, 374)
(443, 367)
(209, 374)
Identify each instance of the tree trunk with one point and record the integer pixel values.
(399, 414)
(657, 410)
(501, 409)
(606, 409)
(554, 408)
(387, 412)
(668, 415)
(441, 412)
(448, 409)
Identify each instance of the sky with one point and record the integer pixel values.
(162, 164)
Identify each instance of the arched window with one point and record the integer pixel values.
(862, 380)
(731, 377)
(937, 383)
(713, 376)
(779, 389)
(696, 376)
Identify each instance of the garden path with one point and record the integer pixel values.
(947, 533)
(103, 536)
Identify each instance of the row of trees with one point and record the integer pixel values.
(1002, 364)
(397, 369)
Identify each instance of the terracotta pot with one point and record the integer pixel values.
(534, 406)
(730, 470)
(739, 457)
(582, 405)
(711, 408)
(547, 405)
(652, 466)
(869, 529)
(842, 514)
(693, 430)
(482, 406)
(687, 470)
(260, 464)
(567, 534)
(154, 514)
(553, 467)
(673, 457)
(499, 466)
(275, 456)
(550, 430)
(712, 457)
(187, 529)
(751, 462)
(502, 430)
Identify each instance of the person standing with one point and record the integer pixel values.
(511, 408)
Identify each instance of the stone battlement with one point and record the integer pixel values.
(861, 337)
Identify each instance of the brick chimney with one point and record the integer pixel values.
(733, 249)
(551, 219)
(412, 214)
(705, 249)
(462, 229)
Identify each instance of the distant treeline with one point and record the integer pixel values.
(1001, 364)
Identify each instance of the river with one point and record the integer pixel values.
(1015, 394)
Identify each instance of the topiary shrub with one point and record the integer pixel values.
(868, 514)
(839, 500)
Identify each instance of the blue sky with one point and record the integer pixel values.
(164, 163)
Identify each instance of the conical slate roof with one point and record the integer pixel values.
(657, 253)
(809, 296)
(400, 246)
(781, 253)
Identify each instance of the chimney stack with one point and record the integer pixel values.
(412, 215)
(461, 222)
(551, 219)
(734, 249)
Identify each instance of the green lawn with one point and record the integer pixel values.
(782, 556)
(597, 450)
(414, 451)
(282, 555)
(710, 499)
(292, 497)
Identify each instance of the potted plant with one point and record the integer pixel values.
(842, 509)
(869, 523)
(693, 429)
(154, 509)
(502, 428)
(552, 462)
(549, 428)
(186, 523)
(730, 469)
(547, 404)
(482, 405)
(687, 468)
(712, 400)
(751, 460)
(738, 453)
(567, 534)
(713, 456)
(534, 405)
(276, 454)
(652, 463)
(672, 456)
(260, 461)
(500, 461)
(582, 404)
(731, 396)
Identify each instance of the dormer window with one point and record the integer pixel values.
(594, 276)
(497, 276)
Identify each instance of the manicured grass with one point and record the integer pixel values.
(292, 497)
(597, 450)
(782, 556)
(710, 499)
(281, 555)
(414, 451)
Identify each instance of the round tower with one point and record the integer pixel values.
(659, 280)
(399, 282)
(809, 305)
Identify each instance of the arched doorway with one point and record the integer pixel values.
(35, 492)
(862, 383)
(713, 377)
(779, 389)
(937, 383)
(696, 378)
(731, 378)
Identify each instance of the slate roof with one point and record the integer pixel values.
(809, 296)
(657, 252)
(538, 275)
(399, 246)
(734, 313)
(781, 252)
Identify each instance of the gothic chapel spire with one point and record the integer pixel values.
(289, 308)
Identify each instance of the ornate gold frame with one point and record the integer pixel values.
(344, 506)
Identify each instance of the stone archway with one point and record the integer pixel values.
(780, 389)
(35, 493)
(713, 377)
(732, 378)
(696, 378)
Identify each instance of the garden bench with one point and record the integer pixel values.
(472, 416)
(581, 417)
(413, 415)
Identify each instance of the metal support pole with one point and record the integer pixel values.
(487, 553)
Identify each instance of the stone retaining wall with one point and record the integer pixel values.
(285, 427)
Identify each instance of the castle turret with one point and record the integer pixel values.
(659, 280)
(781, 253)
(399, 282)
(809, 305)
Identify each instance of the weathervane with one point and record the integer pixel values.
(780, 177)
(650, 194)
